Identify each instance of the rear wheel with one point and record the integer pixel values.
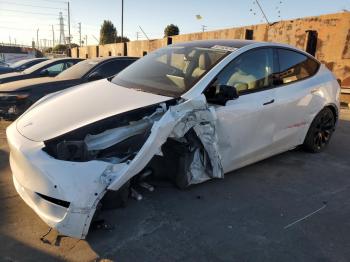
(320, 131)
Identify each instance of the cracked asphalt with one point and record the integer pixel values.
(291, 207)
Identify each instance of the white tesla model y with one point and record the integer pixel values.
(188, 112)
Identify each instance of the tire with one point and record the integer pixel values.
(320, 131)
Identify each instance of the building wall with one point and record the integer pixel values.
(333, 42)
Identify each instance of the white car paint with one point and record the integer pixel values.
(62, 108)
(245, 131)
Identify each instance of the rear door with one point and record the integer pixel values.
(245, 126)
(295, 97)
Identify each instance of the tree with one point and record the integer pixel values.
(60, 48)
(63, 48)
(108, 33)
(171, 30)
(119, 39)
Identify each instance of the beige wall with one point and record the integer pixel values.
(333, 43)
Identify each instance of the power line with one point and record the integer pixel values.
(26, 12)
(30, 23)
(14, 28)
(36, 6)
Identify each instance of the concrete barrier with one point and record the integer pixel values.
(332, 42)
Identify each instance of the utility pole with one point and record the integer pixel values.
(122, 21)
(53, 37)
(62, 37)
(204, 27)
(79, 30)
(137, 35)
(262, 11)
(37, 38)
(86, 40)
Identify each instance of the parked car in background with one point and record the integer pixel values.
(17, 96)
(189, 112)
(3, 64)
(21, 65)
(49, 68)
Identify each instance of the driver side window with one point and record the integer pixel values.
(249, 72)
(54, 69)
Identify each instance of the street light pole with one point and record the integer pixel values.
(122, 33)
(53, 37)
(37, 38)
(79, 28)
(69, 29)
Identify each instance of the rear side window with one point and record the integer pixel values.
(295, 66)
(113, 67)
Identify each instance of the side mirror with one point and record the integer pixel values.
(226, 93)
(220, 94)
(44, 73)
(94, 76)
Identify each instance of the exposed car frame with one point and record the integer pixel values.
(65, 192)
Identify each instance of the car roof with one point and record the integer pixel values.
(101, 59)
(49, 61)
(33, 59)
(219, 42)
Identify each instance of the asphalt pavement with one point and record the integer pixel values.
(291, 207)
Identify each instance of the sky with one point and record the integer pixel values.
(20, 19)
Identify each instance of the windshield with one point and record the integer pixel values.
(19, 63)
(78, 70)
(170, 71)
(37, 66)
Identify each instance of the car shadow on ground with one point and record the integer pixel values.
(243, 216)
(3, 160)
(12, 247)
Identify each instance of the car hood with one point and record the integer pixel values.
(22, 85)
(65, 111)
(3, 76)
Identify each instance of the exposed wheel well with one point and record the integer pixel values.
(334, 110)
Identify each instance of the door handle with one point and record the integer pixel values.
(269, 102)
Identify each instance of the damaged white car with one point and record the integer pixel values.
(188, 112)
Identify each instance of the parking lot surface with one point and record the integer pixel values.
(291, 207)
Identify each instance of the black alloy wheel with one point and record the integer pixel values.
(320, 131)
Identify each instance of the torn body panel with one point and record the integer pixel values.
(175, 123)
(83, 184)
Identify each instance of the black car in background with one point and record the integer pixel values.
(50, 68)
(17, 96)
(21, 65)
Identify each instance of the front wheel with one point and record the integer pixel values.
(320, 131)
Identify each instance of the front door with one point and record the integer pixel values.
(245, 125)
